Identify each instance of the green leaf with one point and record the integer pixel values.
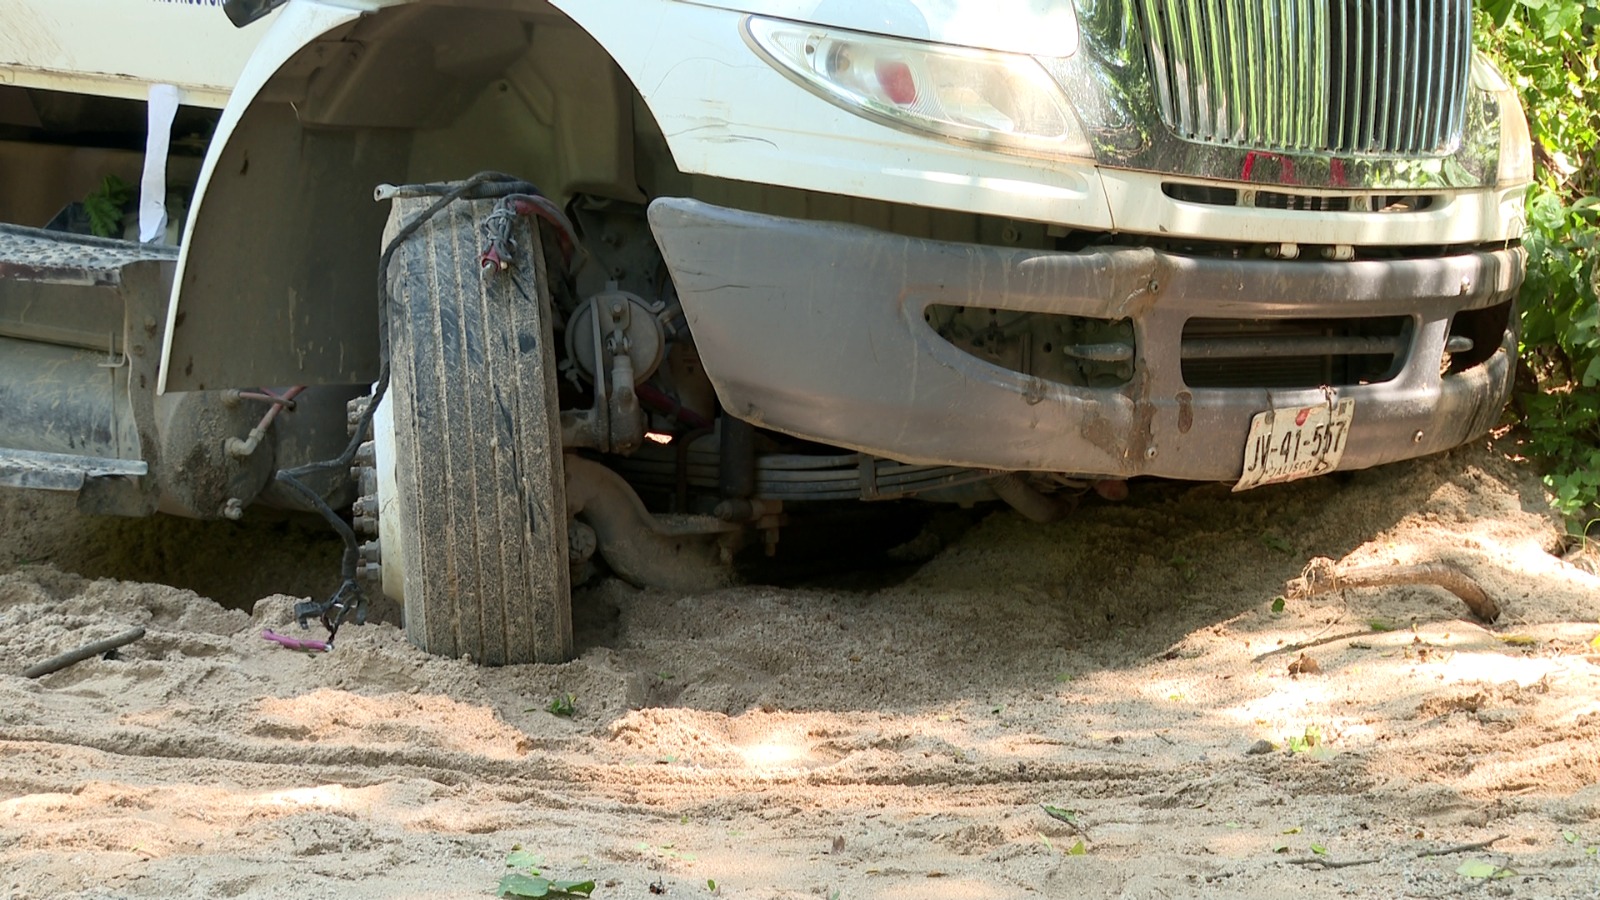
(1319, 850)
(1069, 816)
(1280, 847)
(1570, 837)
(1078, 849)
(1278, 604)
(523, 859)
(1591, 375)
(1481, 869)
(519, 885)
(580, 888)
(711, 885)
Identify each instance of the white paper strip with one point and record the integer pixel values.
(153, 186)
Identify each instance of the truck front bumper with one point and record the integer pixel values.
(818, 330)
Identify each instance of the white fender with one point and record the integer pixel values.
(295, 26)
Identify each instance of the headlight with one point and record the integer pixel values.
(1516, 145)
(978, 96)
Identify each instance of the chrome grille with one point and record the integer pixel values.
(1344, 76)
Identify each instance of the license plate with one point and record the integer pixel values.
(1296, 442)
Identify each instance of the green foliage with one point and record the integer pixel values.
(564, 706)
(1480, 869)
(1069, 816)
(104, 206)
(1310, 742)
(517, 884)
(1572, 837)
(525, 880)
(1549, 49)
(1564, 428)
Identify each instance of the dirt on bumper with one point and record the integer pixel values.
(818, 330)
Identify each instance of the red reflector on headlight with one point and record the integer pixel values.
(895, 79)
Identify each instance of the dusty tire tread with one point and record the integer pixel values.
(477, 448)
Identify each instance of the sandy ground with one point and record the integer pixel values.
(885, 737)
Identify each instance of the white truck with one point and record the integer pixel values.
(774, 255)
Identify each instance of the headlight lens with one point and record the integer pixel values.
(1516, 145)
(979, 96)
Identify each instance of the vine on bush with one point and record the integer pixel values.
(1548, 48)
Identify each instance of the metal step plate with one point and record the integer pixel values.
(33, 254)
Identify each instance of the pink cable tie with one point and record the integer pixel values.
(293, 643)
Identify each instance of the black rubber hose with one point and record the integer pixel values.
(61, 661)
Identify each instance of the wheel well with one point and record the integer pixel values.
(278, 285)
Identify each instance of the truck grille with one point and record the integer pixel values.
(1293, 353)
(1344, 76)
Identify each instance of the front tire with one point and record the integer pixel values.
(478, 508)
